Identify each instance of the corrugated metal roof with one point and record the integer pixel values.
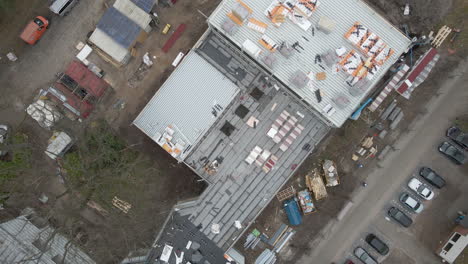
(86, 78)
(133, 12)
(345, 13)
(109, 46)
(18, 245)
(145, 5)
(186, 101)
(119, 27)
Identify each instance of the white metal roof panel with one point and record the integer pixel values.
(17, 244)
(133, 12)
(109, 46)
(186, 101)
(345, 13)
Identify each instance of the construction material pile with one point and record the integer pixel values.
(45, 113)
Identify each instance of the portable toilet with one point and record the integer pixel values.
(292, 211)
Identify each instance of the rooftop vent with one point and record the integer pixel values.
(286, 50)
(227, 128)
(230, 27)
(240, 12)
(326, 25)
(241, 111)
(341, 101)
(269, 60)
(358, 88)
(256, 94)
(329, 57)
(299, 79)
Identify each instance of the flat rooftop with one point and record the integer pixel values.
(176, 233)
(186, 105)
(243, 182)
(252, 134)
(267, 30)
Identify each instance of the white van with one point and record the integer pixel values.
(59, 143)
(62, 7)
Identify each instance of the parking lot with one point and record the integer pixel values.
(417, 244)
(430, 226)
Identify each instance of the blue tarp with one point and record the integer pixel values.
(146, 5)
(292, 211)
(119, 27)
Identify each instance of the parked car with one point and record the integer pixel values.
(411, 202)
(4, 131)
(432, 177)
(400, 217)
(363, 256)
(418, 187)
(348, 262)
(62, 7)
(458, 136)
(452, 153)
(377, 244)
(34, 30)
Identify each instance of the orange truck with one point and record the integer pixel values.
(34, 30)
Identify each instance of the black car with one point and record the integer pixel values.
(400, 217)
(432, 177)
(377, 244)
(458, 136)
(452, 153)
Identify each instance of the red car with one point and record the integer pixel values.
(34, 30)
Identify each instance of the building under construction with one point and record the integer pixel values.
(250, 102)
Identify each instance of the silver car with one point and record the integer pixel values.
(411, 202)
(363, 256)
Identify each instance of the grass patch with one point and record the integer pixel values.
(19, 159)
(102, 165)
(462, 123)
(457, 20)
(6, 5)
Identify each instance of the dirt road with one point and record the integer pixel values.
(384, 181)
(163, 183)
(37, 65)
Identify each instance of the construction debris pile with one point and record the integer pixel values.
(276, 242)
(293, 203)
(44, 112)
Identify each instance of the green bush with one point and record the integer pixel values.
(20, 158)
(100, 164)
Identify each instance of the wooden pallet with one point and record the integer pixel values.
(315, 184)
(443, 33)
(285, 194)
(121, 204)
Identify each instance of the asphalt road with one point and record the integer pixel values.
(384, 182)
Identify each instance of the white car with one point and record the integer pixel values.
(418, 187)
(3, 133)
(3, 139)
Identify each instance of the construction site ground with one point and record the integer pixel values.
(163, 182)
(160, 181)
